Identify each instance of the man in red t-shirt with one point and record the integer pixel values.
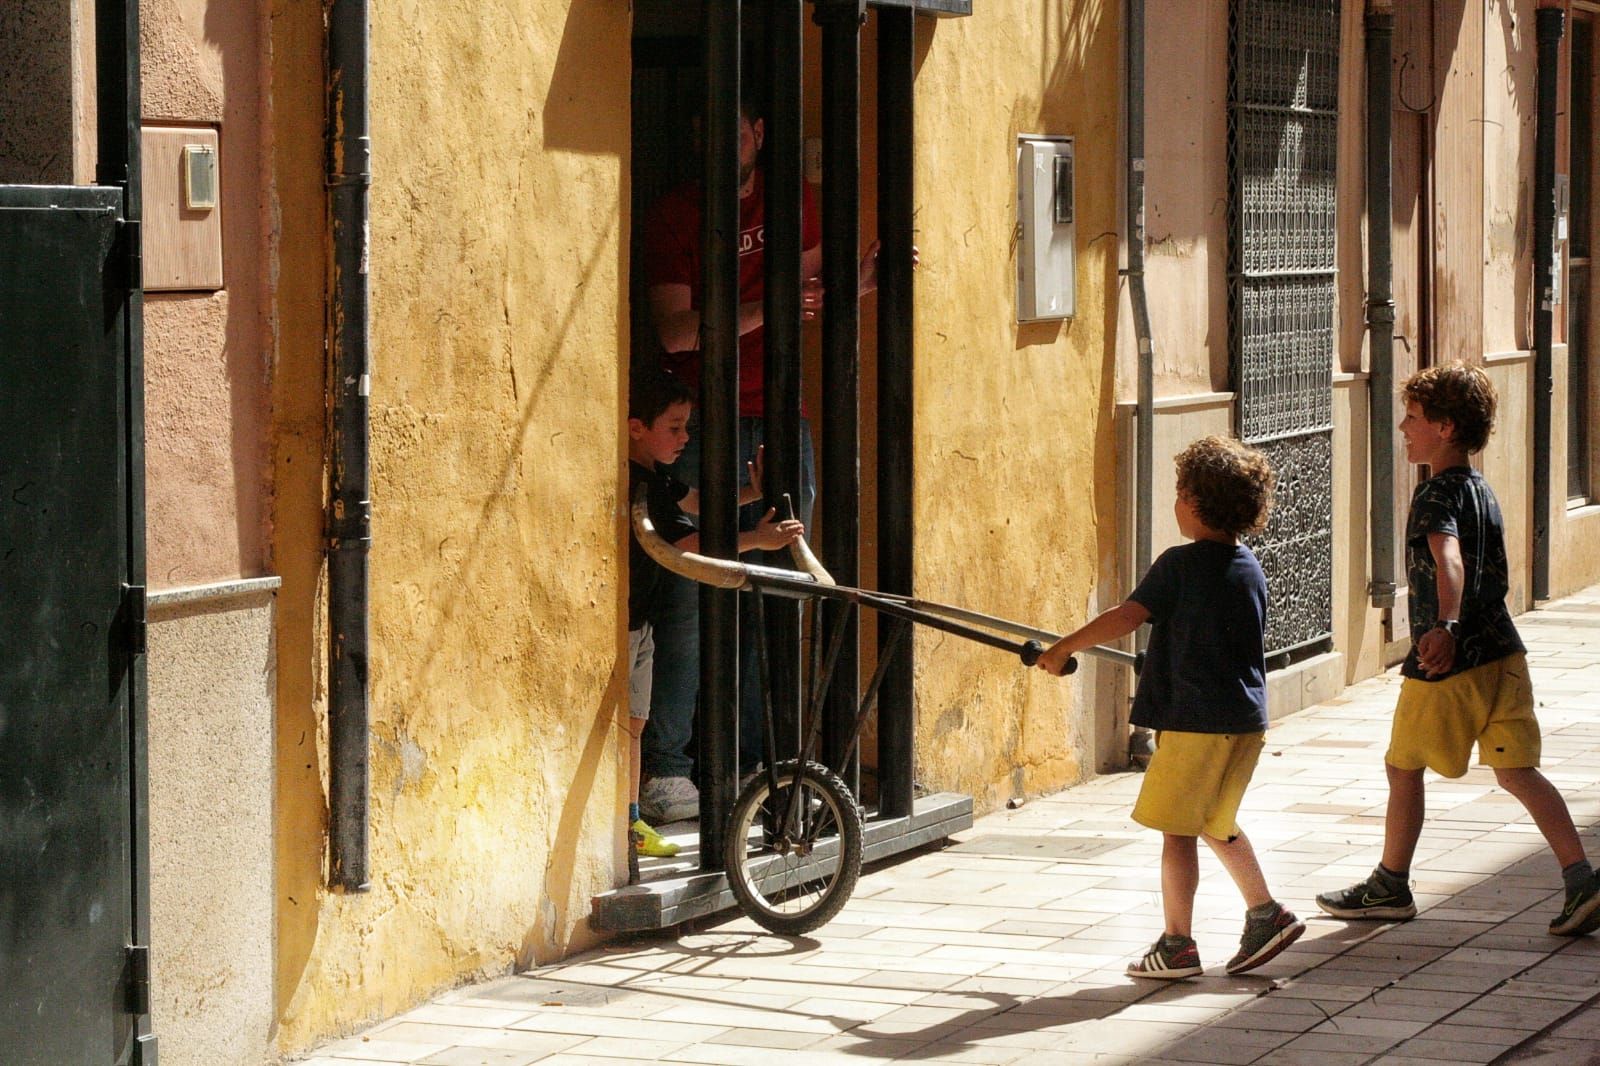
(671, 245)
(672, 260)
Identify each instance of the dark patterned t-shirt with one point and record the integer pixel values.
(644, 573)
(1458, 502)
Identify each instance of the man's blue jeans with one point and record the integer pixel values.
(676, 625)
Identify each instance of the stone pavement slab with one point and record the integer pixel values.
(1008, 945)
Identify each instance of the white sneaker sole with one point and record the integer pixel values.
(1377, 914)
(1270, 950)
(1165, 975)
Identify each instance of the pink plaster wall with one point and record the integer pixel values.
(206, 365)
(1186, 216)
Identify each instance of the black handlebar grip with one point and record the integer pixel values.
(1033, 649)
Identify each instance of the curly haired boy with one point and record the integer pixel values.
(1466, 677)
(1203, 689)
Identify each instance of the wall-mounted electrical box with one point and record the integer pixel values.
(182, 212)
(1046, 233)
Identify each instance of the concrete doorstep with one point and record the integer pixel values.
(1008, 945)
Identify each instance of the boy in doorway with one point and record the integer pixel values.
(1466, 677)
(658, 419)
(1203, 690)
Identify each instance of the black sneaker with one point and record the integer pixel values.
(1264, 938)
(1370, 899)
(1170, 958)
(1581, 915)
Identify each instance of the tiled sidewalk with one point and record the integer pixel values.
(1008, 946)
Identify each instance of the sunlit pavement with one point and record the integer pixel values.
(1008, 946)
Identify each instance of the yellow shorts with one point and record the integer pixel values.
(1437, 722)
(1196, 781)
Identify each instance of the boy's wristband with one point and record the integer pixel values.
(1451, 626)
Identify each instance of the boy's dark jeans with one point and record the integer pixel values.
(676, 624)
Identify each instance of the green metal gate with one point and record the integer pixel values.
(74, 853)
(72, 630)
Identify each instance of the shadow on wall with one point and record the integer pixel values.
(574, 119)
(537, 342)
(234, 31)
(1519, 81)
(546, 941)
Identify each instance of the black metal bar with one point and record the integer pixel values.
(770, 582)
(118, 165)
(814, 699)
(822, 680)
(349, 520)
(896, 409)
(1380, 302)
(898, 630)
(841, 334)
(719, 422)
(1550, 22)
(764, 673)
(781, 330)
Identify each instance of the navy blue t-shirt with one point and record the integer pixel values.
(644, 573)
(1205, 670)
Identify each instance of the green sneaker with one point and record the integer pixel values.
(1370, 899)
(1581, 915)
(647, 841)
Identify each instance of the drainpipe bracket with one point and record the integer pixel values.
(1382, 593)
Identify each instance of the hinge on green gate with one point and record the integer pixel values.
(137, 619)
(136, 979)
(131, 251)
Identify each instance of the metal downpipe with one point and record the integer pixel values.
(1144, 428)
(1549, 27)
(349, 518)
(1380, 302)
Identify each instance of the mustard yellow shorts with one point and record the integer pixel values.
(1196, 781)
(1437, 722)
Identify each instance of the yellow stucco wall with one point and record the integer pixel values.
(1013, 423)
(497, 260)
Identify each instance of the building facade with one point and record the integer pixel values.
(504, 202)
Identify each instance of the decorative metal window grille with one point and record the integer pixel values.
(1283, 84)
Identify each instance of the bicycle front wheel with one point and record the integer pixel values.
(793, 874)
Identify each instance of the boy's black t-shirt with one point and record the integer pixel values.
(644, 573)
(1205, 670)
(1459, 502)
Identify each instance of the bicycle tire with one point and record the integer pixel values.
(791, 883)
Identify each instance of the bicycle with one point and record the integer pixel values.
(792, 853)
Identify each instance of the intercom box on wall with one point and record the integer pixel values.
(1046, 232)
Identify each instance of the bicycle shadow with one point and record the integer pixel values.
(1072, 1021)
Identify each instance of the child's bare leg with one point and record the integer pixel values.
(1535, 792)
(1402, 823)
(1239, 859)
(1180, 877)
